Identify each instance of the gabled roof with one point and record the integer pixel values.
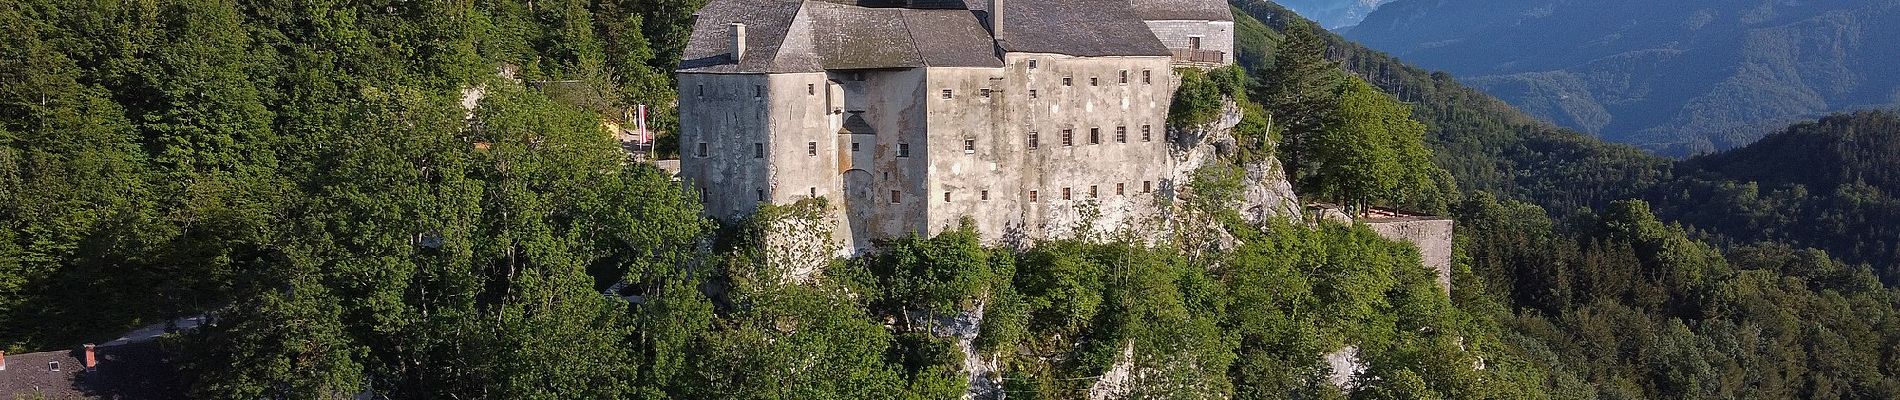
(1088, 28)
(818, 35)
(1176, 10)
(814, 35)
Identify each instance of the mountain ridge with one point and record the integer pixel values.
(1675, 78)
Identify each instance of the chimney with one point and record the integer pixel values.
(92, 360)
(996, 18)
(738, 41)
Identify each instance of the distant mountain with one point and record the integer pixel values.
(1677, 77)
(1334, 14)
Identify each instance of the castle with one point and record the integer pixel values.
(907, 116)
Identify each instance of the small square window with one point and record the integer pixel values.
(1065, 194)
(897, 197)
(969, 146)
(701, 150)
(903, 149)
(1093, 193)
(946, 197)
(1068, 137)
(1124, 74)
(761, 195)
(1147, 133)
(1093, 81)
(1032, 196)
(985, 92)
(1121, 134)
(1032, 94)
(854, 147)
(1068, 81)
(1032, 63)
(1118, 189)
(702, 90)
(1095, 135)
(811, 149)
(984, 195)
(811, 89)
(758, 91)
(811, 192)
(947, 93)
(1147, 77)
(1147, 186)
(758, 150)
(1033, 141)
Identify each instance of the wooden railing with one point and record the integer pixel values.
(1199, 56)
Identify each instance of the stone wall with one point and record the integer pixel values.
(1215, 35)
(726, 113)
(1104, 167)
(1433, 237)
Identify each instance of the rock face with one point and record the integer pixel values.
(1345, 364)
(1118, 381)
(986, 381)
(1266, 194)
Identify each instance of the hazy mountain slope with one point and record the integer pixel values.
(1334, 14)
(1485, 143)
(1676, 77)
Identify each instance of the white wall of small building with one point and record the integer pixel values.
(1215, 35)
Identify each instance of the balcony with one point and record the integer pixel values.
(1199, 57)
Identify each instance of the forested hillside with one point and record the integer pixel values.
(1676, 77)
(1614, 301)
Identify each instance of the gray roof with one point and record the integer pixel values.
(1177, 10)
(1089, 28)
(817, 35)
(138, 370)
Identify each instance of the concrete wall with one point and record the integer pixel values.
(1003, 164)
(785, 114)
(727, 113)
(1433, 237)
(893, 103)
(1215, 35)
